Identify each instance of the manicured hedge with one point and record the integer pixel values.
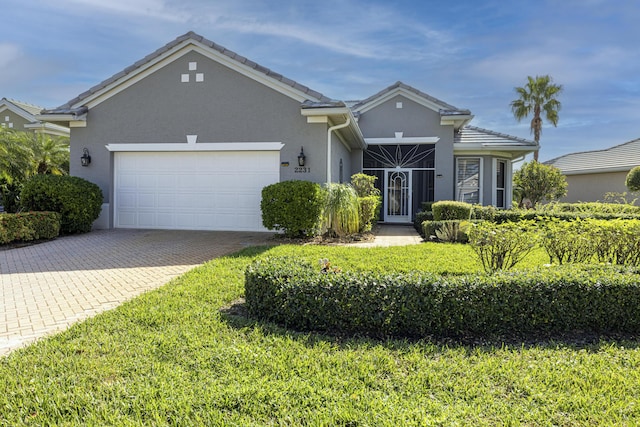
(295, 207)
(447, 210)
(78, 201)
(27, 226)
(543, 302)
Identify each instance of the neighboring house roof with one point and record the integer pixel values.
(29, 112)
(471, 139)
(76, 106)
(618, 158)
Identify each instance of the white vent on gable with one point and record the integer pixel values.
(193, 66)
(199, 77)
(184, 78)
(399, 104)
(6, 118)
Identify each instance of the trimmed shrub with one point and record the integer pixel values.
(448, 210)
(419, 219)
(369, 200)
(546, 301)
(27, 226)
(633, 179)
(368, 209)
(365, 185)
(501, 246)
(568, 241)
(295, 207)
(77, 200)
(427, 206)
(610, 241)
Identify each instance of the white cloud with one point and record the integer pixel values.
(156, 9)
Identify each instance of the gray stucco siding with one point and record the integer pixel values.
(16, 120)
(225, 107)
(415, 120)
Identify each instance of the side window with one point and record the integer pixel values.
(468, 180)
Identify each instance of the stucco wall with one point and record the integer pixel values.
(225, 107)
(592, 187)
(415, 120)
(17, 121)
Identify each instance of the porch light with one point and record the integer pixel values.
(301, 157)
(86, 158)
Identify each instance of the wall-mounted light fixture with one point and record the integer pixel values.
(86, 158)
(301, 157)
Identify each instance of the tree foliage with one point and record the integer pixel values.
(633, 179)
(537, 182)
(538, 96)
(26, 154)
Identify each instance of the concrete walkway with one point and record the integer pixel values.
(392, 235)
(45, 288)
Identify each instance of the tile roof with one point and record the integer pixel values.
(29, 108)
(444, 107)
(68, 107)
(620, 157)
(476, 135)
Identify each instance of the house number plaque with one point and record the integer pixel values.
(301, 169)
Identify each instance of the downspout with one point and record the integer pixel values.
(331, 129)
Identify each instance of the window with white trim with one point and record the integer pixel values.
(468, 179)
(501, 184)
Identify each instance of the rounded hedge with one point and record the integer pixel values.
(295, 207)
(77, 200)
(633, 179)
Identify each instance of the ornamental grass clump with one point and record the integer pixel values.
(341, 210)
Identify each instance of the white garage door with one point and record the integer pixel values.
(192, 190)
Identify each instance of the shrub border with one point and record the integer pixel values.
(543, 302)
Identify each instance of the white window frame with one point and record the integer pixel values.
(507, 183)
(459, 190)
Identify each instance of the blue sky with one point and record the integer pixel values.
(468, 53)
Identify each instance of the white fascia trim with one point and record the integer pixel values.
(403, 140)
(177, 52)
(454, 120)
(19, 111)
(48, 128)
(208, 146)
(400, 91)
(464, 146)
(597, 170)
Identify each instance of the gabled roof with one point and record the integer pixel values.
(399, 87)
(618, 158)
(28, 111)
(449, 114)
(74, 106)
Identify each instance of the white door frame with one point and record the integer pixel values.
(405, 195)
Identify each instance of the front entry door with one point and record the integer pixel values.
(397, 192)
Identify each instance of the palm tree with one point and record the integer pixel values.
(538, 95)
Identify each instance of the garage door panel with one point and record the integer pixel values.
(193, 190)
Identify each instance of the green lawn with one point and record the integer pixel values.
(176, 356)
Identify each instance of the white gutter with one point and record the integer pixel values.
(331, 129)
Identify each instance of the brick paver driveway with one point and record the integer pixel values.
(48, 286)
